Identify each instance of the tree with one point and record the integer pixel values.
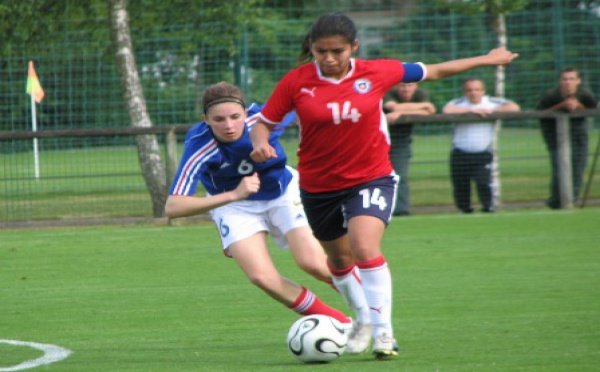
(151, 163)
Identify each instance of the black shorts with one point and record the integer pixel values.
(328, 212)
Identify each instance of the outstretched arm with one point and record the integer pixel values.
(185, 206)
(496, 57)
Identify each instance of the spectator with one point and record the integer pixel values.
(471, 157)
(404, 99)
(569, 96)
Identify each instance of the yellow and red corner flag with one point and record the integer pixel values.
(33, 84)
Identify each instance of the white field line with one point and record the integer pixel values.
(52, 354)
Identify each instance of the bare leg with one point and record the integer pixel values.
(308, 253)
(252, 255)
(311, 258)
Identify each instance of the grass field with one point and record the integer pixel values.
(513, 291)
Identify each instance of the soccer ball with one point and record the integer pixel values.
(317, 339)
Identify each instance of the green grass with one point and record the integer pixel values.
(513, 291)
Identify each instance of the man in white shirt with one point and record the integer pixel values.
(471, 157)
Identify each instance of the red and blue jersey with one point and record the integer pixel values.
(344, 138)
(221, 166)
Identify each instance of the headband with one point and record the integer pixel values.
(222, 100)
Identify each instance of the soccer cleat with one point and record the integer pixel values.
(384, 346)
(359, 338)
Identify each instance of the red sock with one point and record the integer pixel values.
(374, 263)
(309, 304)
(342, 272)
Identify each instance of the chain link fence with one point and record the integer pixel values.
(91, 178)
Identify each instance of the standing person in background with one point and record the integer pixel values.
(404, 99)
(569, 96)
(248, 200)
(346, 178)
(471, 156)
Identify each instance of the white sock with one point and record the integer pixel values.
(351, 289)
(377, 285)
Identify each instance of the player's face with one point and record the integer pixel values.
(474, 90)
(226, 121)
(333, 55)
(569, 82)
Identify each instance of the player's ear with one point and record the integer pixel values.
(355, 46)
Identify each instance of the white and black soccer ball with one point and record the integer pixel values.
(317, 339)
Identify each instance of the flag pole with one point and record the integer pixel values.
(36, 154)
(34, 89)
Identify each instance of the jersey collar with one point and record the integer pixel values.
(334, 81)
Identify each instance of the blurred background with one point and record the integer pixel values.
(181, 47)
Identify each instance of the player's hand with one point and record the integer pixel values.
(263, 152)
(248, 185)
(501, 56)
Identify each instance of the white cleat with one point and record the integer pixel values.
(384, 346)
(359, 338)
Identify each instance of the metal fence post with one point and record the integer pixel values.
(565, 171)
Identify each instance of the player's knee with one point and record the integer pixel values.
(263, 280)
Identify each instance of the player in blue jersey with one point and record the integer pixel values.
(247, 200)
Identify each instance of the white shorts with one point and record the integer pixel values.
(241, 219)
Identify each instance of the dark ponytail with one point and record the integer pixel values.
(306, 54)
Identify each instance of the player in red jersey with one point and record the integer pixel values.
(346, 178)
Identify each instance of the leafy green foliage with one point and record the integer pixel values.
(492, 7)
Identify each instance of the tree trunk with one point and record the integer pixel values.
(499, 91)
(153, 169)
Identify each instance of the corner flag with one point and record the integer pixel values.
(34, 89)
(33, 85)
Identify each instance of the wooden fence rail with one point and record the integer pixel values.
(171, 131)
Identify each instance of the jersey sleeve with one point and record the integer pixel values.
(253, 109)
(279, 103)
(414, 72)
(199, 147)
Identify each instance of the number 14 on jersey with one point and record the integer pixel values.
(347, 112)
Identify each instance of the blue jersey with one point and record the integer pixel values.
(221, 166)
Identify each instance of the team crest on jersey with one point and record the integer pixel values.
(362, 86)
